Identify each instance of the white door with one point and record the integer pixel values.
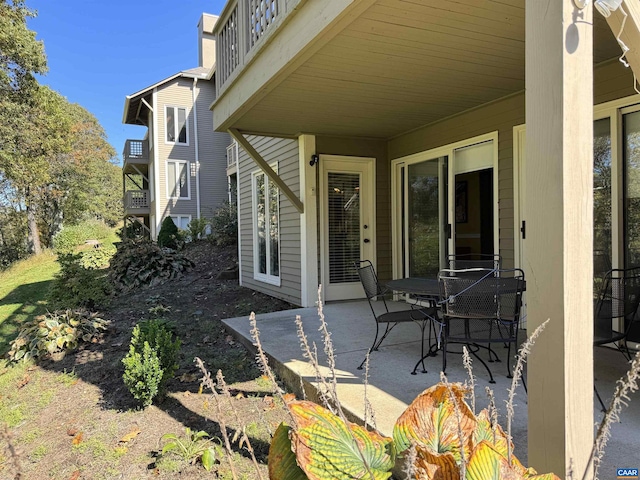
(347, 224)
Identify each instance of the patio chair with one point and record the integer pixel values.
(474, 260)
(420, 314)
(615, 311)
(479, 310)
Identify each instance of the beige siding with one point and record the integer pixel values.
(285, 153)
(213, 154)
(359, 147)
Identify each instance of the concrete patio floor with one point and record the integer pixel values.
(392, 387)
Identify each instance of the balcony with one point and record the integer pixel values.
(136, 152)
(137, 202)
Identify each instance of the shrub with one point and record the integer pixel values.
(197, 228)
(192, 447)
(168, 235)
(224, 225)
(96, 258)
(151, 361)
(71, 236)
(133, 230)
(140, 262)
(142, 374)
(77, 286)
(56, 332)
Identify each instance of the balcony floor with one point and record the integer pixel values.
(392, 387)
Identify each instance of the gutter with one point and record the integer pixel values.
(195, 139)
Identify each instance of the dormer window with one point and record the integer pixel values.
(176, 125)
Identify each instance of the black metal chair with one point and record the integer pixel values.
(615, 311)
(481, 309)
(474, 260)
(420, 314)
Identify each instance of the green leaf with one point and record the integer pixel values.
(170, 446)
(208, 458)
(327, 448)
(282, 460)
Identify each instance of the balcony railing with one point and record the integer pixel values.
(136, 151)
(244, 24)
(136, 199)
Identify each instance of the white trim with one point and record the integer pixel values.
(175, 124)
(188, 170)
(264, 277)
(438, 152)
(239, 220)
(308, 222)
(156, 161)
(519, 132)
(197, 146)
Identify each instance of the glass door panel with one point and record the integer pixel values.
(632, 188)
(601, 200)
(424, 217)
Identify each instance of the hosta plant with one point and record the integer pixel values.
(57, 332)
(449, 442)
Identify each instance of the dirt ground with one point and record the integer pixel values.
(75, 419)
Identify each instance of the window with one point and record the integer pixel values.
(181, 221)
(178, 179)
(176, 125)
(266, 229)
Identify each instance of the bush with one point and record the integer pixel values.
(168, 235)
(151, 361)
(139, 263)
(78, 286)
(70, 237)
(197, 228)
(224, 225)
(133, 230)
(56, 332)
(99, 257)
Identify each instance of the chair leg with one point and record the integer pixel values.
(604, 409)
(509, 361)
(473, 352)
(422, 326)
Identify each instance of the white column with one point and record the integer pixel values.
(559, 249)
(308, 222)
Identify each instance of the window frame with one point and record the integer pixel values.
(179, 216)
(175, 125)
(267, 277)
(168, 187)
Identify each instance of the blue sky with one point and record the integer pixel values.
(100, 51)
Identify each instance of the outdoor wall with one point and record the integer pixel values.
(212, 153)
(176, 93)
(285, 153)
(376, 148)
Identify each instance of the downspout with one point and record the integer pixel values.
(195, 139)
(156, 165)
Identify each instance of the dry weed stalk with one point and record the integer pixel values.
(263, 362)
(206, 380)
(409, 466)
(524, 351)
(493, 411)
(14, 454)
(624, 386)
(466, 360)
(244, 439)
(312, 358)
(369, 412)
(463, 459)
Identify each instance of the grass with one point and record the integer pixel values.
(23, 292)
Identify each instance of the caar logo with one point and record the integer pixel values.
(627, 473)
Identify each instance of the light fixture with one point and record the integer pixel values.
(606, 7)
(580, 3)
(314, 160)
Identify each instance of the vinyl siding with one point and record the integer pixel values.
(285, 153)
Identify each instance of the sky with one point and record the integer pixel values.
(100, 51)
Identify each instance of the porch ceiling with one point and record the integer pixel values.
(403, 64)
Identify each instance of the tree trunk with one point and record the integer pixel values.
(33, 235)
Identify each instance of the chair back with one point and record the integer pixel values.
(488, 296)
(474, 260)
(368, 278)
(619, 298)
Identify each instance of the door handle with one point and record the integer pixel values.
(366, 240)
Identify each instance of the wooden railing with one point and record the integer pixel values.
(244, 23)
(136, 199)
(136, 151)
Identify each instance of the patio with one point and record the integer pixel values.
(391, 386)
